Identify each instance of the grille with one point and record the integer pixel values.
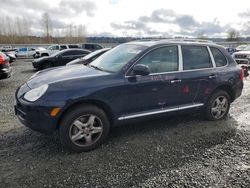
(241, 56)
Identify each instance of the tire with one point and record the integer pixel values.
(217, 106)
(47, 65)
(84, 128)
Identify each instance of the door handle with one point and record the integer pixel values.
(212, 76)
(175, 81)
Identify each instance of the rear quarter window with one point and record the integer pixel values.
(219, 58)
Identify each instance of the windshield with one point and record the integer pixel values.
(93, 54)
(247, 48)
(56, 53)
(116, 58)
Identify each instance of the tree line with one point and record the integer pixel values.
(18, 30)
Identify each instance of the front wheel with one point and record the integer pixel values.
(84, 128)
(218, 105)
(47, 65)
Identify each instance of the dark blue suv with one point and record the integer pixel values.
(136, 80)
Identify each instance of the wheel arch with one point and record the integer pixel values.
(100, 104)
(228, 89)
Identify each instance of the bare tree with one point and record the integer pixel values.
(233, 35)
(47, 25)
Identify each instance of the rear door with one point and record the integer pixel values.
(199, 75)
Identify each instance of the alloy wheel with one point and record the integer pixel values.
(86, 130)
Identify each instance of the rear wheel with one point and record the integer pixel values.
(84, 128)
(218, 105)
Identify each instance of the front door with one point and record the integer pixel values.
(156, 92)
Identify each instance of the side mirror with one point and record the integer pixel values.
(141, 69)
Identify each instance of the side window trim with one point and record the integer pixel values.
(180, 58)
(178, 63)
(211, 56)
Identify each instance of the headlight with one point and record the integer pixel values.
(36, 93)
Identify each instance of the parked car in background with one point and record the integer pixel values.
(3, 48)
(41, 52)
(5, 69)
(136, 80)
(11, 56)
(91, 46)
(59, 59)
(243, 57)
(240, 47)
(231, 50)
(25, 52)
(88, 58)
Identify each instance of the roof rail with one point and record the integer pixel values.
(174, 40)
(192, 40)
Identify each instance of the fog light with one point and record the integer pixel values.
(55, 111)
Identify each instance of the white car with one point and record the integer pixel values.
(41, 52)
(243, 57)
(25, 52)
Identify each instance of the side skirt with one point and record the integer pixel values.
(163, 110)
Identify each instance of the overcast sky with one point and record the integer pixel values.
(137, 18)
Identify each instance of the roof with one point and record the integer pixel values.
(173, 41)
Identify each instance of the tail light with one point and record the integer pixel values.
(2, 60)
(242, 74)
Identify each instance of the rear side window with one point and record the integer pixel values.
(219, 58)
(97, 47)
(163, 59)
(195, 57)
(80, 52)
(73, 46)
(63, 47)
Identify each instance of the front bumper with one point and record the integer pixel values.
(36, 65)
(37, 115)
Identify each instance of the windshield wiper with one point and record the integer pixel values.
(100, 69)
(97, 68)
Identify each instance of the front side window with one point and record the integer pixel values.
(53, 48)
(219, 58)
(68, 53)
(195, 57)
(160, 60)
(89, 46)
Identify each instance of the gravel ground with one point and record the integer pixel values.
(184, 151)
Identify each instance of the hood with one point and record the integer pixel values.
(64, 73)
(41, 59)
(242, 53)
(79, 61)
